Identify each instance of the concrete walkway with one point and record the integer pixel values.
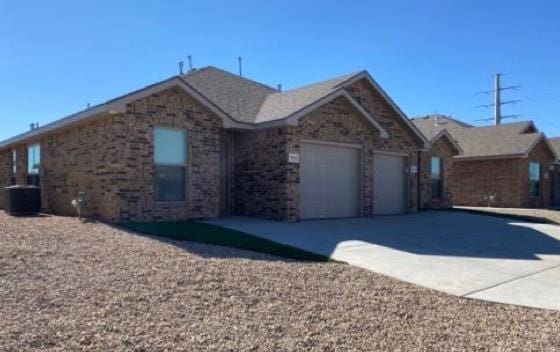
(468, 255)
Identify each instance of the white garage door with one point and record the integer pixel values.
(330, 182)
(389, 184)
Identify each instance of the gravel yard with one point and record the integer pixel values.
(65, 285)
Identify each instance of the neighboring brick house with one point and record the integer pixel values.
(210, 143)
(507, 165)
(555, 143)
(436, 168)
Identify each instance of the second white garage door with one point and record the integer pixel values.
(389, 184)
(329, 181)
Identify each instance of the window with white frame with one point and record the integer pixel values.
(33, 164)
(534, 179)
(170, 161)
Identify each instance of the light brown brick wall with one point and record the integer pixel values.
(261, 174)
(555, 179)
(401, 138)
(86, 158)
(443, 149)
(507, 179)
(336, 122)
(267, 185)
(135, 185)
(542, 155)
(5, 173)
(111, 159)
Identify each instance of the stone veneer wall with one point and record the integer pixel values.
(445, 150)
(507, 179)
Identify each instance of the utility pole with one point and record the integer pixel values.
(497, 100)
(498, 117)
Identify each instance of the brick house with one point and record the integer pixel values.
(435, 171)
(508, 165)
(555, 143)
(210, 143)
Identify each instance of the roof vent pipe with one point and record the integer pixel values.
(32, 126)
(239, 60)
(189, 58)
(280, 87)
(181, 65)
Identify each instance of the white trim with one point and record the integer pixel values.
(334, 144)
(377, 87)
(385, 152)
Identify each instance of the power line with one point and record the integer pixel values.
(498, 103)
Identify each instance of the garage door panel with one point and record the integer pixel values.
(389, 184)
(329, 181)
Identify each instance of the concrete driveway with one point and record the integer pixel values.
(468, 255)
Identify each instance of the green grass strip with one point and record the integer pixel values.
(212, 234)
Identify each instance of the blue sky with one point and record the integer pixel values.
(431, 55)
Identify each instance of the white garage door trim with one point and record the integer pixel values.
(405, 189)
(358, 173)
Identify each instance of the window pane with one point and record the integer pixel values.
(33, 159)
(169, 146)
(14, 162)
(436, 167)
(170, 183)
(534, 171)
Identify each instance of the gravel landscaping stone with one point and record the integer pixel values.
(67, 285)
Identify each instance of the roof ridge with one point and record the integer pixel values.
(452, 119)
(348, 76)
(505, 124)
(210, 67)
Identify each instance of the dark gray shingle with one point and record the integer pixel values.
(486, 141)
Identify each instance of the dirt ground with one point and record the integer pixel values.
(67, 286)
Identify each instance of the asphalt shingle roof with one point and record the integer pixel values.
(555, 143)
(239, 97)
(249, 101)
(487, 141)
(283, 104)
